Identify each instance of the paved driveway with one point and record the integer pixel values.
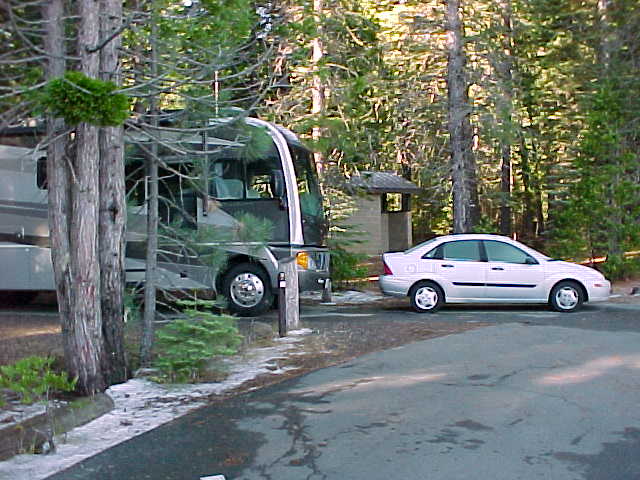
(505, 402)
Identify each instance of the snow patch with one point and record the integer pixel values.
(346, 296)
(142, 405)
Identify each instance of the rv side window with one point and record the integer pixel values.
(227, 179)
(41, 173)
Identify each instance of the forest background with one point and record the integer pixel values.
(552, 111)
(517, 117)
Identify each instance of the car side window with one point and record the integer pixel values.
(503, 252)
(462, 251)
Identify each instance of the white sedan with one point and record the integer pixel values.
(478, 268)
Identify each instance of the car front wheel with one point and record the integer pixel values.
(247, 290)
(566, 296)
(426, 297)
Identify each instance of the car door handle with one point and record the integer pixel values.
(446, 265)
(497, 268)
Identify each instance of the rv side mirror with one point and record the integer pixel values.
(279, 185)
(205, 203)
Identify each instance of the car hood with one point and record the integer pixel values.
(568, 267)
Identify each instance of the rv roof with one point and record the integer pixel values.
(178, 137)
(11, 153)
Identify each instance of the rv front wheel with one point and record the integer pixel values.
(247, 290)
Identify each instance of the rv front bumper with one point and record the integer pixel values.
(310, 281)
(313, 270)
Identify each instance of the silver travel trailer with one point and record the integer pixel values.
(215, 184)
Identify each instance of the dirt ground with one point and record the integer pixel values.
(25, 330)
(23, 333)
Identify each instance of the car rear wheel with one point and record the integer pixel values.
(566, 296)
(426, 297)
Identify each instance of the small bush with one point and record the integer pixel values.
(78, 98)
(619, 268)
(186, 344)
(346, 266)
(33, 379)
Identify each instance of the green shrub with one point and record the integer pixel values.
(78, 98)
(345, 265)
(619, 268)
(186, 344)
(33, 379)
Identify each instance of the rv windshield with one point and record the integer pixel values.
(313, 221)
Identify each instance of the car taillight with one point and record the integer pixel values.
(387, 270)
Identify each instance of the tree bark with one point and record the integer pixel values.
(57, 169)
(113, 212)
(605, 53)
(146, 344)
(606, 43)
(148, 334)
(85, 320)
(505, 107)
(463, 172)
(317, 89)
(529, 214)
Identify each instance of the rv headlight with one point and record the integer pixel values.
(304, 260)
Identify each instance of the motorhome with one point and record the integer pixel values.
(217, 186)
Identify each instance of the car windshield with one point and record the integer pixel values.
(420, 245)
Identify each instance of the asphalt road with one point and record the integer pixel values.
(600, 316)
(537, 395)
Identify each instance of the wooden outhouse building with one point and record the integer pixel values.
(383, 212)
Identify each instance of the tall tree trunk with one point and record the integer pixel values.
(58, 171)
(146, 344)
(606, 46)
(505, 107)
(463, 173)
(86, 340)
(529, 214)
(317, 89)
(605, 53)
(113, 211)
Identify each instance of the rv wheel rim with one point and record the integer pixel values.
(247, 290)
